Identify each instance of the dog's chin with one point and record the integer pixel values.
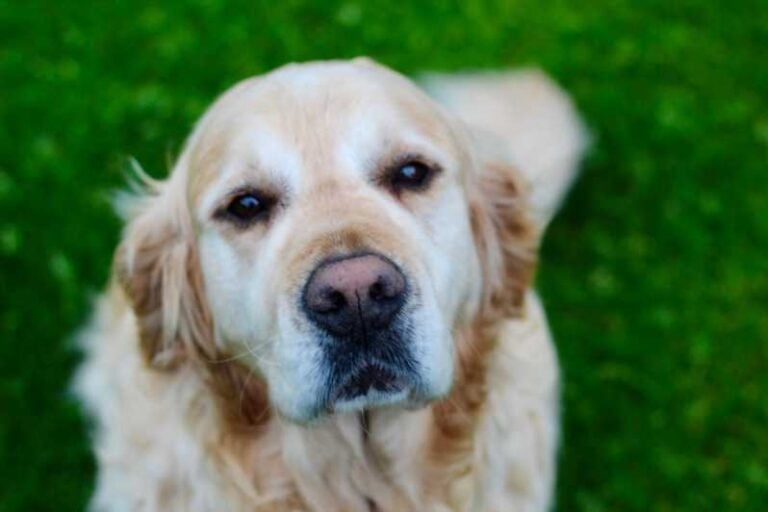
(405, 398)
(371, 400)
(368, 388)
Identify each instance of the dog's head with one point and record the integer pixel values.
(330, 227)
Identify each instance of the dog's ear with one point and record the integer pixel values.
(157, 266)
(506, 237)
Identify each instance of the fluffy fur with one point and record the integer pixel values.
(195, 351)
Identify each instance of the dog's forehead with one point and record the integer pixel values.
(303, 121)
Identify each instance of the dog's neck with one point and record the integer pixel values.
(380, 460)
(360, 461)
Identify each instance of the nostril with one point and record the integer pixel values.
(376, 291)
(385, 288)
(327, 300)
(336, 300)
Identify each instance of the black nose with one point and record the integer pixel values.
(358, 294)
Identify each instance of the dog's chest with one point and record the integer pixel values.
(359, 463)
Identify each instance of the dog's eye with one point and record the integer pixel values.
(249, 207)
(411, 176)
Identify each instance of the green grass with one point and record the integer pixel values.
(655, 274)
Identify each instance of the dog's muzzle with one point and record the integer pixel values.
(357, 302)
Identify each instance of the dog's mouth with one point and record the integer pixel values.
(370, 385)
(370, 377)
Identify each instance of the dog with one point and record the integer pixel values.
(328, 304)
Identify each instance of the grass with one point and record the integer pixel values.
(655, 274)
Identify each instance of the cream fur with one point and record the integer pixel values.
(541, 134)
(161, 439)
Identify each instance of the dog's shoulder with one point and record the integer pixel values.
(146, 425)
(519, 431)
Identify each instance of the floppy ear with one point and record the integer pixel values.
(157, 266)
(506, 237)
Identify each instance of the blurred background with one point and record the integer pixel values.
(655, 274)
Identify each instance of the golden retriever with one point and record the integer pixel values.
(327, 306)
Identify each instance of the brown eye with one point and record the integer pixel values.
(249, 207)
(411, 176)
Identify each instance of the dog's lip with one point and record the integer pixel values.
(369, 377)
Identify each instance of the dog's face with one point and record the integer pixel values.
(334, 236)
(331, 219)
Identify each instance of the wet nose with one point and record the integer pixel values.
(357, 293)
